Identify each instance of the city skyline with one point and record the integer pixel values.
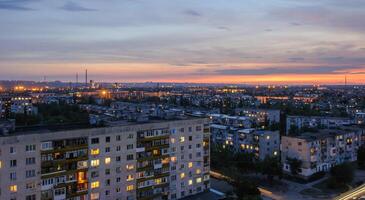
(271, 42)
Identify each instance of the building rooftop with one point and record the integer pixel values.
(37, 129)
(325, 133)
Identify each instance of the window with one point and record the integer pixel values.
(190, 182)
(95, 184)
(12, 150)
(182, 175)
(130, 157)
(199, 180)
(173, 159)
(129, 146)
(130, 177)
(190, 138)
(129, 167)
(198, 128)
(107, 139)
(95, 163)
(118, 148)
(190, 165)
(117, 138)
(46, 146)
(30, 161)
(94, 140)
(30, 185)
(172, 140)
(182, 139)
(94, 196)
(30, 197)
(107, 160)
(130, 136)
(13, 176)
(107, 171)
(118, 158)
(198, 171)
(13, 188)
(130, 187)
(94, 151)
(0, 164)
(30, 173)
(30, 148)
(12, 163)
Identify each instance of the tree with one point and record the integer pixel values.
(361, 157)
(271, 167)
(295, 165)
(246, 190)
(343, 174)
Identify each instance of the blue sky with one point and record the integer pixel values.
(182, 40)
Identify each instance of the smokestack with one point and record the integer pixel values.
(86, 78)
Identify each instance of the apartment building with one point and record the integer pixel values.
(159, 160)
(321, 150)
(316, 122)
(260, 116)
(262, 143)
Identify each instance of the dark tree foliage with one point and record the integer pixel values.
(295, 165)
(361, 157)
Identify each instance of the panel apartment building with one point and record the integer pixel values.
(160, 160)
(321, 150)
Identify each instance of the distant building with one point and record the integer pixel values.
(315, 122)
(260, 116)
(230, 132)
(321, 151)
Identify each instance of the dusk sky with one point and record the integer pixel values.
(220, 41)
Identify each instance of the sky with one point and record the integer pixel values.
(210, 41)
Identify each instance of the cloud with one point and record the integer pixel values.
(17, 5)
(74, 7)
(286, 70)
(193, 13)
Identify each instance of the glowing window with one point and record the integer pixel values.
(190, 165)
(107, 160)
(13, 188)
(95, 163)
(95, 152)
(190, 182)
(95, 184)
(182, 175)
(130, 187)
(199, 180)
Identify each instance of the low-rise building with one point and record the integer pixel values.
(321, 150)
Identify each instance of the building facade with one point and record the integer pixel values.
(162, 160)
(321, 150)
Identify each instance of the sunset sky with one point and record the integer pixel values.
(214, 41)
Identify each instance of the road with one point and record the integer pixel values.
(264, 192)
(356, 193)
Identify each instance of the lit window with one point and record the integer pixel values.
(95, 163)
(190, 164)
(199, 180)
(268, 137)
(130, 177)
(95, 152)
(190, 182)
(13, 188)
(275, 153)
(155, 152)
(130, 167)
(198, 171)
(172, 140)
(94, 196)
(95, 184)
(182, 139)
(173, 159)
(158, 181)
(130, 187)
(0, 165)
(182, 175)
(107, 160)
